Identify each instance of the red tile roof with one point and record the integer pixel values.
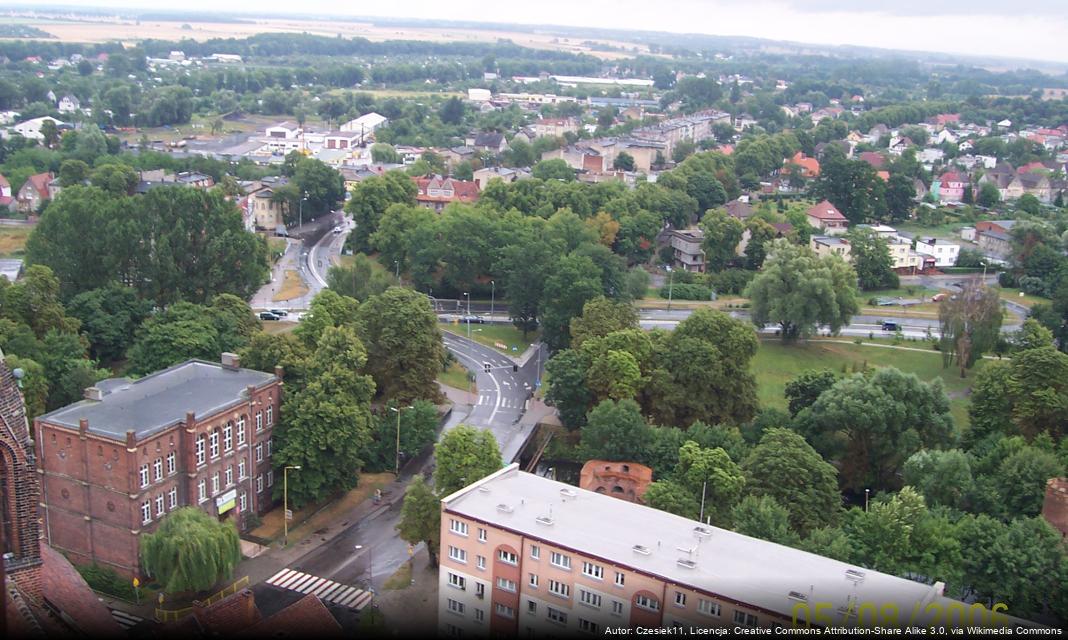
(462, 190)
(230, 615)
(4, 182)
(65, 589)
(39, 182)
(307, 617)
(809, 166)
(874, 159)
(826, 211)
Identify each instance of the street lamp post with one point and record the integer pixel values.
(370, 565)
(285, 502)
(984, 272)
(671, 276)
(300, 211)
(867, 492)
(470, 394)
(397, 463)
(396, 264)
(493, 297)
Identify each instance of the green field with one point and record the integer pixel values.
(776, 364)
(491, 334)
(13, 241)
(1026, 299)
(455, 376)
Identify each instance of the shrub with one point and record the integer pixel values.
(106, 580)
(685, 292)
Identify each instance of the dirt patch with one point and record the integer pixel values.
(292, 287)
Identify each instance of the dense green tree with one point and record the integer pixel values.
(555, 169)
(1022, 477)
(328, 309)
(672, 497)
(786, 468)
(900, 193)
(601, 317)
(1038, 392)
(872, 424)
(115, 178)
(420, 519)
(73, 172)
(989, 195)
(321, 184)
(616, 431)
(710, 473)
(181, 332)
(110, 316)
(404, 344)
(1030, 567)
(371, 198)
(805, 389)
(800, 291)
(623, 162)
(760, 233)
(944, 478)
(326, 427)
(763, 517)
(871, 260)
(190, 551)
(525, 266)
(464, 455)
(265, 351)
(572, 282)
(567, 389)
(359, 279)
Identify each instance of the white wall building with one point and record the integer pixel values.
(945, 253)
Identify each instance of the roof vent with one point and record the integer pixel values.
(504, 508)
(545, 520)
(642, 549)
(702, 532)
(856, 575)
(797, 595)
(568, 493)
(94, 393)
(686, 564)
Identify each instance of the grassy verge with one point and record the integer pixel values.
(401, 578)
(495, 335)
(13, 241)
(776, 364)
(292, 287)
(455, 376)
(1019, 297)
(274, 327)
(276, 247)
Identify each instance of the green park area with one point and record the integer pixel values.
(13, 241)
(502, 337)
(776, 364)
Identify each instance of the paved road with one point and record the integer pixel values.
(310, 251)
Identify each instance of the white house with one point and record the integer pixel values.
(945, 253)
(31, 129)
(69, 104)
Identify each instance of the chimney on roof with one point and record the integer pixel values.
(279, 372)
(83, 426)
(93, 393)
(231, 361)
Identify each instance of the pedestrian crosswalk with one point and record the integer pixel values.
(324, 589)
(125, 620)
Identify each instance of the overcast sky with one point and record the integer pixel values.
(1035, 29)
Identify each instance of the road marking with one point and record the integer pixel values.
(125, 620)
(323, 588)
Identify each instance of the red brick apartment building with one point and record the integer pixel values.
(522, 555)
(114, 464)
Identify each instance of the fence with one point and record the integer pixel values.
(164, 615)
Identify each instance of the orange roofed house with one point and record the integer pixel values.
(436, 192)
(827, 218)
(807, 167)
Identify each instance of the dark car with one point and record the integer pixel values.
(267, 315)
(279, 312)
(891, 326)
(472, 319)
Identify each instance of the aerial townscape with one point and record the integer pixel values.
(320, 325)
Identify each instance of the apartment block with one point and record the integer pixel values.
(116, 463)
(522, 555)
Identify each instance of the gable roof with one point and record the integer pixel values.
(489, 139)
(39, 182)
(827, 212)
(307, 617)
(876, 160)
(738, 209)
(462, 190)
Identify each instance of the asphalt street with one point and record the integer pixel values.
(310, 251)
(502, 392)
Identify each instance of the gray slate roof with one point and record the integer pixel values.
(159, 400)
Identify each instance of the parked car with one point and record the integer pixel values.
(339, 229)
(938, 297)
(891, 326)
(281, 313)
(267, 315)
(472, 319)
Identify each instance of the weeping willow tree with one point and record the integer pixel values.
(970, 323)
(190, 551)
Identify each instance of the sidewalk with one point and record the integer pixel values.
(413, 612)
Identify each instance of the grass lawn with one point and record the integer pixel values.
(654, 301)
(948, 230)
(13, 241)
(455, 376)
(401, 578)
(274, 327)
(776, 364)
(276, 246)
(1026, 299)
(292, 287)
(494, 335)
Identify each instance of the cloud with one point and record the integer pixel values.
(959, 8)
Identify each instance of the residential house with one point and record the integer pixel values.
(686, 244)
(69, 104)
(949, 187)
(195, 179)
(967, 234)
(875, 159)
(739, 209)
(489, 141)
(807, 167)
(342, 140)
(827, 218)
(38, 189)
(993, 236)
(930, 155)
(898, 145)
(945, 253)
(456, 155)
(436, 192)
(5, 187)
(876, 133)
(555, 127)
(479, 95)
(238, 616)
(830, 246)
(31, 129)
(846, 147)
(485, 174)
(268, 213)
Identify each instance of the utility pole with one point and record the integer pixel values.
(285, 503)
(671, 276)
(397, 463)
(704, 486)
(493, 297)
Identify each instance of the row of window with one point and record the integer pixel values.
(207, 445)
(157, 469)
(146, 506)
(228, 476)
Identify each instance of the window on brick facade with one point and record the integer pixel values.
(589, 598)
(560, 560)
(146, 512)
(228, 437)
(480, 615)
(159, 506)
(559, 589)
(455, 606)
(144, 475)
(617, 608)
(505, 611)
(259, 483)
(172, 463)
(535, 552)
(645, 602)
(459, 582)
(458, 527)
(481, 534)
(202, 491)
(506, 584)
(744, 619)
(480, 561)
(241, 469)
(172, 498)
(508, 557)
(533, 581)
(457, 554)
(270, 413)
(557, 616)
(213, 444)
(200, 449)
(532, 607)
(215, 483)
(229, 475)
(708, 607)
(620, 579)
(269, 447)
(259, 452)
(241, 431)
(259, 421)
(270, 478)
(592, 570)
(680, 599)
(242, 500)
(157, 469)
(588, 627)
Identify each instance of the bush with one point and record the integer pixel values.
(685, 292)
(1007, 279)
(730, 281)
(105, 580)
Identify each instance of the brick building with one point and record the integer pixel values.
(522, 555)
(114, 464)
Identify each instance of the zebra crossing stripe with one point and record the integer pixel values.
(300, 582)
(292, 579)
(350, 598)
(280, 576)
(125, 620)
(332, 588)
(313, 585)
(362, 601)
